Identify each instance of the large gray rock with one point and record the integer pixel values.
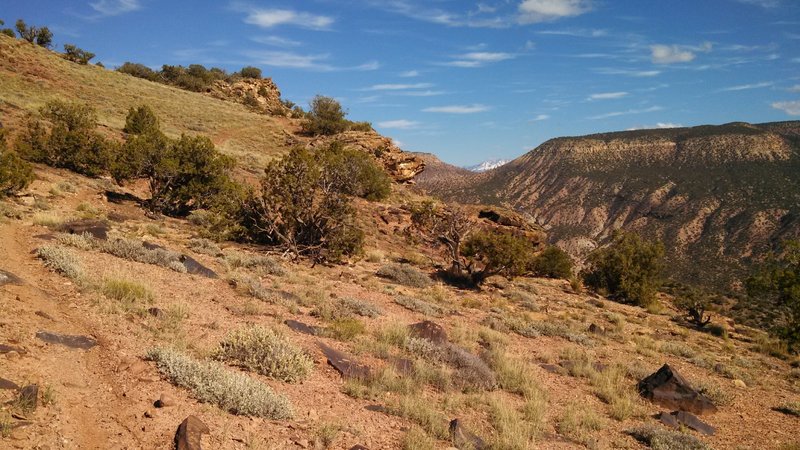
(669, 389)
(190, 433)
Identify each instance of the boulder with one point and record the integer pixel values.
(669, 389)
(8, 385)
(345, 364)
(463, 439)
(97, 228)
(300, 327)
(9, 278)
(676, 419)
(72, 341)
(189, 434)
(430, 331)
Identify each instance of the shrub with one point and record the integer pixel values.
(77, 55)
(211, 382)
(44, 37)
(71, 141)
(296, 211)
(359, 307)
(261, 263)
(352, 172)
(266, 352)
(419, 411)
(495, 252)
(6, 31)
(130, 249)
(580, 424)
(345, 329)
(405, 275)
(62, 261)
(694, 304)
(139, 71)
(660, 439)
(25, 32)
(125, 291)
(425, 308)
(15, 174)
(775, 289)
(416, 439)
(325, 117)
(628, 270)
(141, 120)
(552, 263)
(250, 72)
(195, 78)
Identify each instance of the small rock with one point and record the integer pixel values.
(596, 329)
(429, 330)
(690, 420)
(302, 443)
(8, 384)
(148, 414)
(740, 384)
(12, 355)
(463, 439)
(164, 401)
(156, 312)
(345, 364)
(189, 434)
(358, 447)
(72, 341)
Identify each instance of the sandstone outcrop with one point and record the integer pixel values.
(262, 94)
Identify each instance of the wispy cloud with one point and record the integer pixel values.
(539, 118)
(426, 93)
(276, 41)
(269, 18)
(607, 96)
(627, 112)
(397, 87)
(795, 88)
(400, 124)
(115, 7)
(659, 125)
(458, 109)
(576, 32)
(534, 11)
(409, 74)
(762, 3)
(478, 59)
(439, 16)
(792, 107)
(671, 54)
(290, 60)
(628, 72)
(746, 87)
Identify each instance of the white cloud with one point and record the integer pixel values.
(290, 60)
(746, 87)
(576, 32)
(426, 93)
(401, 124)
(409, 74)
(607, 96)
(276, 41)
(478, 59)
(458, 109)
(268, 18)
(397, 87)
(792, 107)
(627, 112)
(671, 54)
(533, 11)
(539, 118)
(795, 88)
(115, 7)
(659, 125)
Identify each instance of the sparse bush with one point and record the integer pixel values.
(405, 275)
(205, 247)
(628, 270)
(125, 291)
(325, 117)
(694, 304)
(659, 438)
(130, 249)
(6, 31)
(77, 55)
(494, 252)
(352, 172)
(139, 71)
(775, 290)
(472, 372)
(419, 411)
(552, 263)
(359, 307)
(266, 352)
(211, 382)
(15, 174)
(513, 431)
(345, 329)
(250, 72)
(71, 142)
(425, 308)
(790, 408)
(27, 33)
(62, 261)
(44, 37)
(416, 439)
(296, 211)
(195, 77)
(261, 263)
(141, 120)
(580, 424)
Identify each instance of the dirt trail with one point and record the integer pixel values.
(82, 381)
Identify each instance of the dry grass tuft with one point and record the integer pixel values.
(659, 438)
(211, 382)
(424, 308)
(266, 352)
(405, 274)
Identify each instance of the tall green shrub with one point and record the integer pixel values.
(552, 263)
(15, 174)
(775, 289)
(325, 117)
(628, 270)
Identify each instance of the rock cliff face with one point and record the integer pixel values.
(718, 196)
(401, 166)
(262, 94)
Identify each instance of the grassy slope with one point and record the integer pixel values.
(30, 76)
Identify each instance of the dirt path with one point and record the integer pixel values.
(82, 382)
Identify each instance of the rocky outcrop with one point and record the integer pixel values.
(668, 388)
(261, 94)
(401, 166)
(718, 196)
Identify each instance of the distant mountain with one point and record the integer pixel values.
(487, 165)
(718, 196)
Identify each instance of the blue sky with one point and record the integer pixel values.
(469, 80)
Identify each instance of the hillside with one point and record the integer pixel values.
(718, 196)
(121, 328)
